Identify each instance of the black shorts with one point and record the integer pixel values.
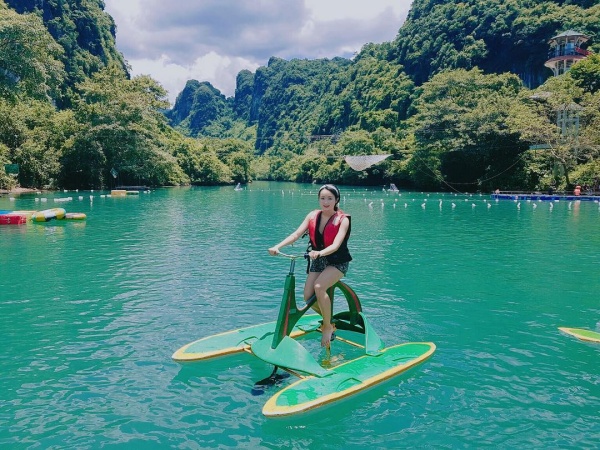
(319, 264)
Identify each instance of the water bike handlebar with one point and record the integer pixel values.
(293, 257)
(293, 260)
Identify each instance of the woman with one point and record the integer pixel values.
(329, 230)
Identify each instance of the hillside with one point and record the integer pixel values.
(85, 32)
(305, 98)
(457, 101)
(495, 35)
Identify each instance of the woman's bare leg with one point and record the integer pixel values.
(324, 281)
(309, 289)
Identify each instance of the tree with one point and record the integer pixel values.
(6, 181)
(586, 73)
(29, 57)
(123, 128)
(200, 163)
(558, 149)
(461, 138)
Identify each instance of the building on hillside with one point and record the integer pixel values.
(565, 50)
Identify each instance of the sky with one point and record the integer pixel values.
(213, 40)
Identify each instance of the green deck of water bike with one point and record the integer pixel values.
(239, 340)
(347, 378)
(582, 334)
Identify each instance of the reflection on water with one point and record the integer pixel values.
(91, 312)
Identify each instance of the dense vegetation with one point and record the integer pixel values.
(457, 99)
(70, 113)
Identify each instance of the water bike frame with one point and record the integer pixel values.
(278, 343)
(279, 349)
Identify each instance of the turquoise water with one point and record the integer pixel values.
(92, 311)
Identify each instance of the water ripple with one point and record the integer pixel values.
(92, 312)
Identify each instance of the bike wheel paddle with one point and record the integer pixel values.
(261, 386)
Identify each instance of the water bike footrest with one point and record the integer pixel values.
(289, 354)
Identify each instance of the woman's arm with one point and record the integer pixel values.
(292, 237)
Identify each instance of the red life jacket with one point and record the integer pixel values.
(331, 228)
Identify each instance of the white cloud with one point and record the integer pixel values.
(219, 70)
(343, 9)
(213, 40)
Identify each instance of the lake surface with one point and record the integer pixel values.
(91, 312)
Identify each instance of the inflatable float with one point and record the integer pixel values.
(48, 214)
(75, 216)
(25, 213)
(13, 218)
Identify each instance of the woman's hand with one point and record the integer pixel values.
(314, 254)
(273, 251)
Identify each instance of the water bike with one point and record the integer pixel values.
(582, 334)
(280, 343)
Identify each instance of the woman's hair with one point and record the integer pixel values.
(334, 190)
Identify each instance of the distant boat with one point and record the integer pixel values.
(238, 187)
(393, 188)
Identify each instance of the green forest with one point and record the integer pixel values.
(460, 100)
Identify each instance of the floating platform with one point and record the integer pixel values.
(132, 188)
(545, 197)
(13, 219)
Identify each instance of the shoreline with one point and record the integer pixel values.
(19, 191)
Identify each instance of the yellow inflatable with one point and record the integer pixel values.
(48, 214)
(75, 216)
